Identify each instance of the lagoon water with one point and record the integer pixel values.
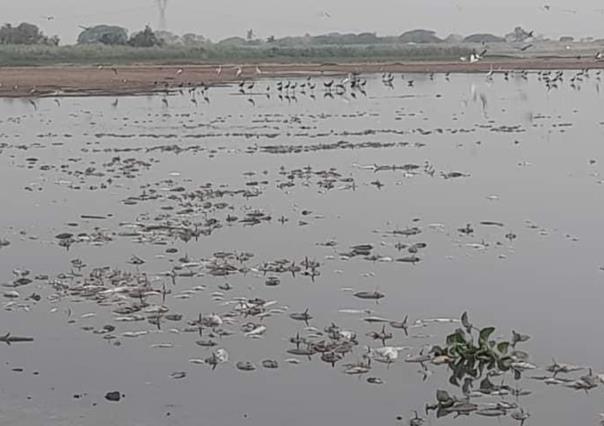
(528, 158)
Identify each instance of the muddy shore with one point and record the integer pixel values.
(144, 79)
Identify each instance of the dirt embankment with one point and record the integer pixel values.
(140, 79)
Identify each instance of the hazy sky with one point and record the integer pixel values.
(223, 18)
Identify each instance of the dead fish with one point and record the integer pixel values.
(376, 319)
(491, 412)
(375, 380)
(370, 295)
(409, 259)
(453, 175)
(178, 375)
(557, 368)
(491, 223)
(220, 356)
(134, 333)
(256, 332)
(520, 416)
(401, 324)
(245, 366)
(8, 339)
(301, 316)
(308, 351)
(385, 354)
(357, 369)
(207, 343)
(269, 363)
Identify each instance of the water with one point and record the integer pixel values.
(539, 176)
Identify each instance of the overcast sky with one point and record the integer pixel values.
(224, 18)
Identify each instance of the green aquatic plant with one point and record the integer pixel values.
(472, 352)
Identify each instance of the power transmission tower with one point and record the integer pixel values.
(162, 5)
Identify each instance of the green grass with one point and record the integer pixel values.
(12, 55)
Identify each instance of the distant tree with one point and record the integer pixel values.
(518, 35)
(249, 35)
(104, 34)
(270, 39)
(454, 38)
(483, 38)
(25, 33)
(168, 38)
(144, 38)
(419, 36)
(191, 39)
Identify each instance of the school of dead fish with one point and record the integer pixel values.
(177, 213)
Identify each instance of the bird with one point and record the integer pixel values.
(238, 72)
(179, 71)
(258, 70)
(219, 70)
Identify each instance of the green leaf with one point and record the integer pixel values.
(503, 347)
(485, 333)
(465, 322)
(519, 338)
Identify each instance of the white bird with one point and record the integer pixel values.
(238, 72)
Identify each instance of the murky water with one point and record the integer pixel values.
(522, 156)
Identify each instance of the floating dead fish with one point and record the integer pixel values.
(376, 319)
(8, 339)
(301, 316)
(134, 333)
(245, 366)
(269, 363)
(178, 375)
(371, 295)
(491, 223)
(256, 332)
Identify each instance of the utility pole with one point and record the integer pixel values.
(162, 5)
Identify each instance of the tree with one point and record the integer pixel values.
(518, 35)
(419, 36)
(25, 33)
(144, 38)
(483, 38)
(104, 34)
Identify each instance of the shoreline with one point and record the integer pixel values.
(144, 79)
